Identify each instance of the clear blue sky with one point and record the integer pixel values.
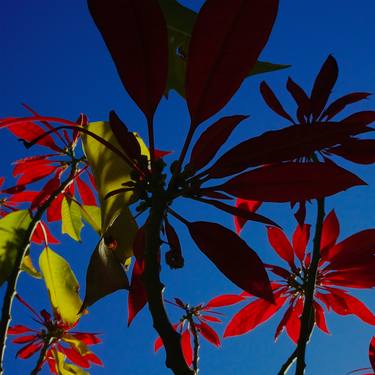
(53, 58)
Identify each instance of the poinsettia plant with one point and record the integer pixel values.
(105, 174)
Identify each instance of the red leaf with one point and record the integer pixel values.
(301, 98)
(339, 104)
(24, 196)
(361, 151)
(28, 131)
(91, 357)
(233, 257)
(28, 350)
(330, 233)
(283, 321)
(356, 277)
(158, 344)
(54, 209)
(272, 101)
(172, 238)
(218, 59)
(137, 298)
(320, 319)
(252, 315)
(209, 318)
(87, 338)
(300, 240)
(85, 192)
(285, 144)
(159, 154)
(18, 329)
(212, 139)
(186, 347)
(75, 356)
(39, 237)
(35, 173)
(279, 271)
(291, 182)
(209, 334)
(293, 324)
(281, 244)
(359, 119)
(224, 300)
(247, 205)
(323, 86)
(136, 36)
(48, 189)
(24, 339)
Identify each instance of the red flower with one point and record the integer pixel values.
(194, 323)
(61, 342)
(348, 263)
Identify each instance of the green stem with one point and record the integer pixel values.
(307, 318)
(154, 288)
(13, 278)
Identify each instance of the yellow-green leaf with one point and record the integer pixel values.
(180, 23)
(91, 214)
(28, 267)
(13, 230)
(63, 368)
(109, 170)
(62, 285)
(71, 219)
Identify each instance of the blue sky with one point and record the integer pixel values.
(53, 58)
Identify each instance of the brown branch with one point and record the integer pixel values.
(154, 288)
(307, 318)
(286, 366)
(13, 278)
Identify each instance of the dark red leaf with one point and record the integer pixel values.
(282, 145)
(159, 154)
(24, 196)
(137, 298)
(209, 334)
(339, 104)
(224, 300)
(28, 131)
(48, 189)
(54, 209)
(136, 36)
(24, 339)
(300, 214)
(218, 59)
(293, 324)
(291, 182)
(330, 233)
(28, 350)
(320, 319)
(272, 101)
(356, 277)
(301, 98)
(323, 86)
(212, 139)
(300, 240)
(186, 347)
(124, 137)
(85, 192)
(283, 321)
(281, 244)
(252, 315)
(371, 353)
(172, 238)
(279, 271)
(209, 318)
(361, 151)
(359, 119)
(233, 257)
(247, 205)
(75, 356)
(238, 211)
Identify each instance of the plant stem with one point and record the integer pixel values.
(196, 345)
(307, 318)
(43, 352)
(154, 288)
(13, 278)
(286, 366)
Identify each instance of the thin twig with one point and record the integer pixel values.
(286, 366)
(196, 344)
(307, 319)
(13, 278)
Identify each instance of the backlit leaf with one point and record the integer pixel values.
(71, 222)
(91, 214)
(28, 266)
(13, 231)
(62, 285)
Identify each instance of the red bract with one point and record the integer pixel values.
(371, 354)
(58, 336)
(194, 323)
(348, 263)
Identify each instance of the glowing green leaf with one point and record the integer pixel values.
(91, 214)
(63, 368)
(62, 285)
(71, 218)
(13, 229)
(28, 266)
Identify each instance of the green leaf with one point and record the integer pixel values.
(71, 218)
(13, 229)
(63, 368)
(28, 267)
(180, 23)
(91, 214)
(62, 285)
